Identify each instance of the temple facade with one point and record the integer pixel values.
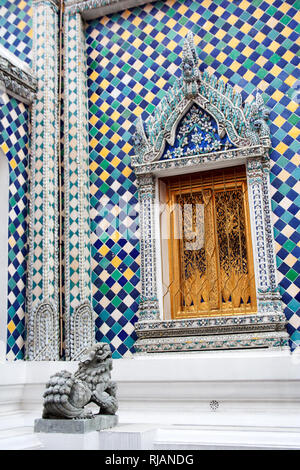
(149, 174)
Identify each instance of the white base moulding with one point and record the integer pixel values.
(207, 400)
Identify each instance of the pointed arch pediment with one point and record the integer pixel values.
(243, 126)
(197, 133)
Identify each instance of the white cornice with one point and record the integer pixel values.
(91, 9)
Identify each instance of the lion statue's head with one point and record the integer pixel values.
(95, 355)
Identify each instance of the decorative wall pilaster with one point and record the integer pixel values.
(78, 313)
(149, 308)
(267, 291)
(42, 302)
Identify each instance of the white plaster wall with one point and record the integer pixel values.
(257, 390)
(4, 183)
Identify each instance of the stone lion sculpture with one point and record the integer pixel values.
(67, 394)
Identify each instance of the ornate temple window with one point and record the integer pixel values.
(209, 256)
(207, 260)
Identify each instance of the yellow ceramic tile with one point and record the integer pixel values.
(275, 70)
(249, 76)
(126, 57)
(221, 57)
(104, 175)
(232, 19)
(11, 327)
(292, 106)
(160, 59)
(260, 37)
(94, 97)
(4, 147)
(172, 45)
(288, 56)
(103, 250)
(93, 120)
(115, 48)
(294, 132)
(235, 66)
(159, 37)
(182, 9)
(257, 13)
(138, 111)
(104, 152)
(274, 46)
(11, 241)
(171, 23)
(290, 80)
(160, 82)
(93, 142)
(206, 3)
(93, 166)
(22, 25)
(126, 102)
(159, 15)
(244, 5)
(115, 138)
(128, 273)
(208, 48)
(137, 88)
(233, 43)
(115, 162)
(22, 5)
(148, 29)
(284, 7)
(104, 84)
(219, 11)
(277, 95)
(136, 21)
(247, 51)
(126, 172)
(115, 70)
(183, 31)
(103, 129)
(246, 28)
(104, 62)
(295, 159)
(136, 43)
(104, 107)
(115, 115)
(116, 261)
(125, 35)
(286, 32)
(281, 148)
(94, 75)
(125, 14)
(220, 34)
(261, 61)
(127, 147)
(195, 17)
(208, 25)
(279, 121)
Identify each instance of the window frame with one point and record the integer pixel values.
(247, 129)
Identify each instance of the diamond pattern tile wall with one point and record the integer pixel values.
(133, 58)
(16, 28)
(14, 142)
